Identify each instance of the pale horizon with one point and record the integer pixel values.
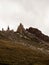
(31, 13)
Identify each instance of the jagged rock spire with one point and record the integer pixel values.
(8, 28)
(20, 29)
(2, 29)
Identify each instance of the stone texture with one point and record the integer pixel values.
(20, 29)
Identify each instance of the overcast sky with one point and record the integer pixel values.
(33, 13)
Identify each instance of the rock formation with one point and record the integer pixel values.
(30, 33)
(38, 34)
(20, 29)
(8, 28)
(3, 29)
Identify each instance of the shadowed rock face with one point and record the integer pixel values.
(32, 33)
(38, 33)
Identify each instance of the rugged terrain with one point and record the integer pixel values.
(24, 47)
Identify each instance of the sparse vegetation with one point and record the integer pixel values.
(18, 54)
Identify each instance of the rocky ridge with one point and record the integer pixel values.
(23, 47)
(30, 34)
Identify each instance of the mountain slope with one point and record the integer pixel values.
(23, 47)
(18, 54)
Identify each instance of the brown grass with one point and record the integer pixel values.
(18, 54)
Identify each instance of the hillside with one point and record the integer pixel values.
(19, 54)
(23, 47)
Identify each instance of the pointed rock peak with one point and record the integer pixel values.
(21, 29)
(21, 25)
(2, 29)
(8, 28)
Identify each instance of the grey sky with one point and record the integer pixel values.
(33, 13)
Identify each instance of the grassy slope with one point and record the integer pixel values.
(18, 54)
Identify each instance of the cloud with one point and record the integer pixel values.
(33, 13)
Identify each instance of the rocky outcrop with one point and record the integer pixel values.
(25, 34)
(32, 34)
(8, 28)
(38, 34)
(21, 29)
